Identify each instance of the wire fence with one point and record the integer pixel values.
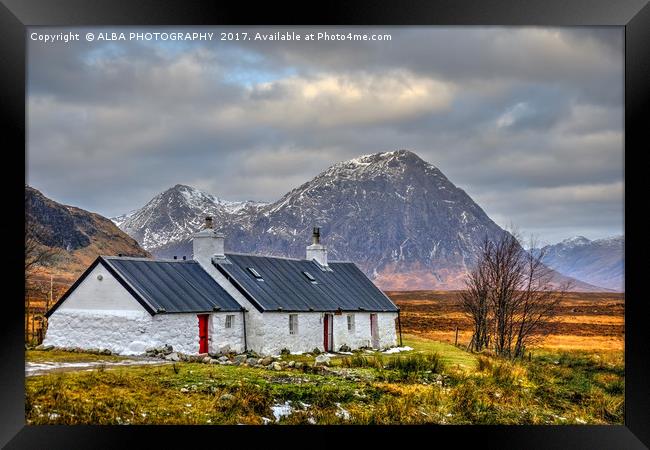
(40, 296)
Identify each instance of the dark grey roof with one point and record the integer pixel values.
(285, 286)
(173, 286)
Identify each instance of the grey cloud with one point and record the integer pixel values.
(506, 113)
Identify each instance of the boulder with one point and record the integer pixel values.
(322, 360)
(276, 366)
(345, 348)
(298, 365)
(207, 360)
(223, 358)
(252, 361)
(172, 357)
(214, 361)
(266, 361)
(291, 363)
(166, 349)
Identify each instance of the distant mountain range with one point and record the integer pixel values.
(600, 262)
(78, 235)
(398, 217)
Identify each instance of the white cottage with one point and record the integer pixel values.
(220, 302)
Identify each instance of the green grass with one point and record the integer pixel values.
(451, 356)
(436, 383)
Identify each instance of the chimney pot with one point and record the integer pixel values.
(316, 251)
(175, 257)
(208, 222)
(184, 257)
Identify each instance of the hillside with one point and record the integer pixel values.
(77, 236)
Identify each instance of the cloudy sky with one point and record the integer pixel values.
(528, 121)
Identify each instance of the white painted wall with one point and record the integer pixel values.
(360, 336)
(219, 336)
(133, 332)
(107, 294)
(273, 334)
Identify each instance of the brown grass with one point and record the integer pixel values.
(586, 321)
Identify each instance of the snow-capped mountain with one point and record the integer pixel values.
(600, 262)
(398, 217)
(168, 219)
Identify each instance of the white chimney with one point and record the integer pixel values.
(207, 243)
(317, 251)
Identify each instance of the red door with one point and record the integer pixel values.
(203, 333)
(327, 332)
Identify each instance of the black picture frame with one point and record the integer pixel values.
(634, 15)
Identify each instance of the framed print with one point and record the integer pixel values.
(396, 220)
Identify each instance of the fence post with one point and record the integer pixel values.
(456, 339)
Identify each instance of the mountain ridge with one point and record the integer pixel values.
(431, 237)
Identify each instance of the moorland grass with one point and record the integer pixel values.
(436, 383)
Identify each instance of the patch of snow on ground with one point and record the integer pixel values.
(397, 350)
(281, 410)
(343, 413)
(33, 368)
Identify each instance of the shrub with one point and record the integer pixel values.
(411, 366)
(358, 360)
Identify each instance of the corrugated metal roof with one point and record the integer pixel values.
(283, 284)
(175, 286)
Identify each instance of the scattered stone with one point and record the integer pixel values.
(224, 349)
(266, 361)
(44, 348)
(322, 360)
(239, 359)
(285, 351)
(107, 352)
(214, 361)
(298, 365)
(185, 390)
(227, 398)
(207, 360)
(223, 358)
(276, 366)
(345, 348)
(291, 363)
(251, 362)
(316, 351)
(172, 357)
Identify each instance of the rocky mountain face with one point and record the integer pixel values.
(78, 236)
(599, 262)
(396, 216)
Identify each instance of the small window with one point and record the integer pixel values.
(309, 276)
(351, 323)
(293, 323)
(230, 320)
(255, 273)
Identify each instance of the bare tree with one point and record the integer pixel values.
(510, 296)
(36, 254)
(474, 301)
